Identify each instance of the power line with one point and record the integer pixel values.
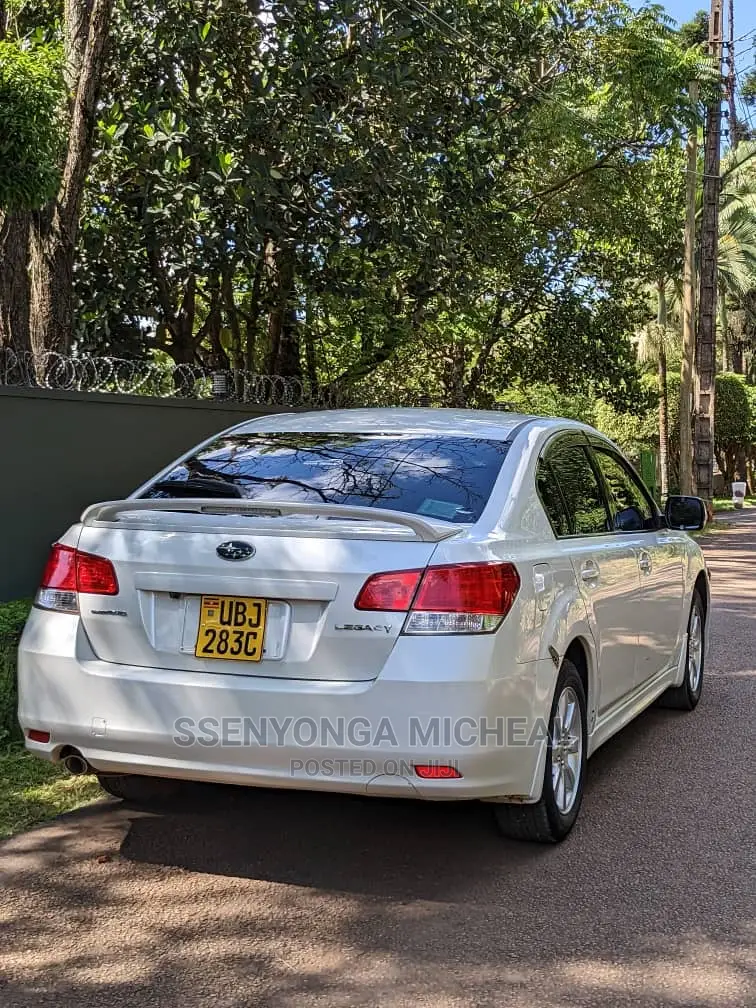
(742, 52)
(744, 108)
(751, 31)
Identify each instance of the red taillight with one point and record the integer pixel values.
(436, 771)
(71, 571)
(451, 598)
(487, 589)
(95, 575)
(60, 569)
(391, 591)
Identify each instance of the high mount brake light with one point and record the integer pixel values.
(451, 598)
(69, 572)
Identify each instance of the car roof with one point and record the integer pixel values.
(494, 424)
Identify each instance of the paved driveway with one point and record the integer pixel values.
(292, 899)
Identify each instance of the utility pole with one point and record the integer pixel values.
(689, 305)
(706, 335)
(732, 115)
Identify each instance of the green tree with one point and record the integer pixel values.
(732, 431)
(31, 137)
(333, 189)
(696, 31)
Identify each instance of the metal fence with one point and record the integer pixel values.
(87, 373)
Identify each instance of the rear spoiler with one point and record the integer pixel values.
(125, 514)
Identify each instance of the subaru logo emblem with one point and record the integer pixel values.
(235, 550)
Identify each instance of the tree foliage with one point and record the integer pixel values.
(31, 133)
(344, 189)
(732, 432)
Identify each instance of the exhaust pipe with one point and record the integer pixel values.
(76, 764)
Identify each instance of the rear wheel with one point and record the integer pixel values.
(138, 790)
(551, 819)
(688, 693)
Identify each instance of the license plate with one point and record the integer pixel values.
(231, 627)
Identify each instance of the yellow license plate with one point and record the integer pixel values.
(232, 628)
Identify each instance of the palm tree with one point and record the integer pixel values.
(737, 235)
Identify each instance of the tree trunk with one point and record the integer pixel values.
(455, 387)
(689, 310)
(43, 317)
(280, 266)
(183, 347)
(51, 265)
(289, 352)
(663, 397)
(741, 465)
(311, 357)
(253, 316)
(737, 357)
(724, 327)
(15, 290)
(232, 318)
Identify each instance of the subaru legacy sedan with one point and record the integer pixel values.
(442, 604)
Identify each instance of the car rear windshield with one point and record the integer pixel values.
(449, 478)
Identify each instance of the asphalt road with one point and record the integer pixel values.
(241, 898)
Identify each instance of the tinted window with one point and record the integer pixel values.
(632, 509)
(577, 480)
(551, 499)
(442, 477)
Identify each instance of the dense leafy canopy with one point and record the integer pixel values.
(428, 197)
(444, 202)
(31, 137)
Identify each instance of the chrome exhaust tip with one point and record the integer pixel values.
(76, 764)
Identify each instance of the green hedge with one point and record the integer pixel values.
(12, 618)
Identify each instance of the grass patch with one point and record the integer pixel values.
(33, 790)
(725, 504)
(13, 615)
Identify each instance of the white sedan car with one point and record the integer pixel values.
(443, 604)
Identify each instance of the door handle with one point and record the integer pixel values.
(589, 571)
(644, 562)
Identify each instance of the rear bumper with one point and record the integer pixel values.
(360, 737)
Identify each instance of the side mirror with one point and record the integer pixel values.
(685, 513)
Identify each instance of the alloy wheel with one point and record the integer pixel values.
(566, 750)
(695, 650)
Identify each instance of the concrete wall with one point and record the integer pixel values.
(60, 451)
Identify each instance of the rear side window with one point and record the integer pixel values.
(551, 498)
(586, 508)
(633, 511)
(449, 478)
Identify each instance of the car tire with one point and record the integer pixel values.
(137, 790)
(688, 693)
(551, 819)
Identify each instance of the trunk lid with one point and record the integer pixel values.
(308, 566)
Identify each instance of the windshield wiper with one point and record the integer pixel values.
(198, 486)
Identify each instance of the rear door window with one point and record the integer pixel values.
(587, 510)
(632, 507)
(448, 478)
